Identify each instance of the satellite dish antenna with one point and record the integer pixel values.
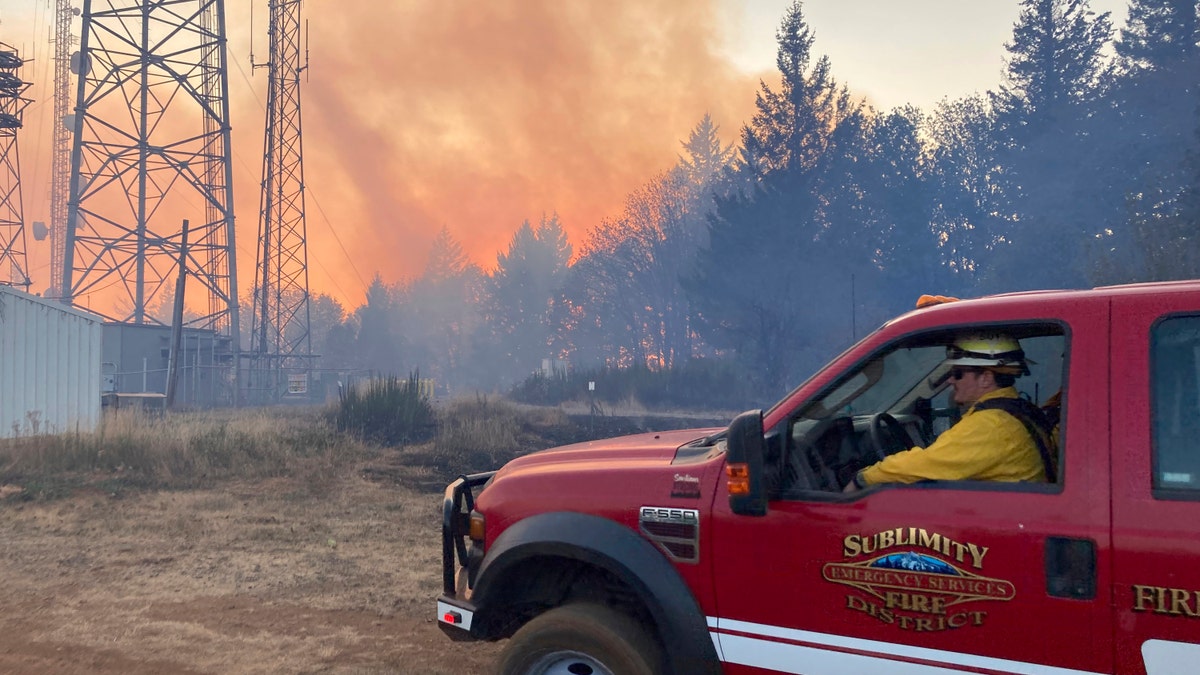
(40, 231)
(75, 11)
(68, 122)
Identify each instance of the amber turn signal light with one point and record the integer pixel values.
(739, 478)
(476, 529)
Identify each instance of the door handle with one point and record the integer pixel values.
(1070, 568)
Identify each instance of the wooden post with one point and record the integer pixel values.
(177, 322)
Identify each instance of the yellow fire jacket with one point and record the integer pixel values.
(984, 445)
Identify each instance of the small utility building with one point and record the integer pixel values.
(136, 357)
(49, 366)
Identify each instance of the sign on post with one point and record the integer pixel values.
(297, 384)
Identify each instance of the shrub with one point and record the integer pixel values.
(541, 389)
(389, 411)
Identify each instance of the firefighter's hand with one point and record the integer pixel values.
(850, 487)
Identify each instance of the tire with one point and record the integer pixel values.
(581, 639)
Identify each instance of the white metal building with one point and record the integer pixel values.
(49, 366)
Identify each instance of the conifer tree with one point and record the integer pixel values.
(378, 345)
(1159, 34)
(521, 296)
(1160, 241)
(791, 126)
(440, 312)
(705, 159)
(1050, 182)
(447, 258)
(1054, 64)
(769, 251)
(1147, 131)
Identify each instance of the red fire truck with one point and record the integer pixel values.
(736, 551)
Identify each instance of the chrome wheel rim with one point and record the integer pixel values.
(568, 663)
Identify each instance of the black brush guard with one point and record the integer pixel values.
(456, 522)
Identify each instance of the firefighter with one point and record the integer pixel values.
(993, 441)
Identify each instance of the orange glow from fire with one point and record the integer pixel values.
(471, 115)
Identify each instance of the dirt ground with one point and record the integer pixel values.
(306, 575)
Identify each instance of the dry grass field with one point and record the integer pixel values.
(229, 542)
(239, 542)
(256, 577)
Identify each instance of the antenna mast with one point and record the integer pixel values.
(60, 166)
(12, 217)
(281, 346)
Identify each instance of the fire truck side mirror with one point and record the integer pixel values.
(744, 465)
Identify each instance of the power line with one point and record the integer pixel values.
(338, 239)
(313, 194)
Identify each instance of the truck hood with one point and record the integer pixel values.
(610, 478)
(654, 447)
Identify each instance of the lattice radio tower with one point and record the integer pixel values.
(280, 344)
(60, 165)
(151, 149)
(14, 268)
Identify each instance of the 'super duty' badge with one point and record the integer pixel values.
(685, 485)
(905, 579)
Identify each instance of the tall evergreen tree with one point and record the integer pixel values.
(1048, 145)
(441, 313)
(521, 296)
(875, 212)
(770, 252)
(378, 345)
(791, 126)
(625, 300)
(1159, 34)
(1054, 65)
(705, 159)
(767, 291)
(447, 259)
(1148, 127)
(1160, 240)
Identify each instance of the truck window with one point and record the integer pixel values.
(1175, 383)
(831, 437)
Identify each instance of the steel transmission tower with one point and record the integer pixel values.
(60, 166)
(14, 268)
(280, 344)
(151, 149)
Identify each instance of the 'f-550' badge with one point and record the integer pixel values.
(916, 580)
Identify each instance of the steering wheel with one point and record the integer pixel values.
(887, 435)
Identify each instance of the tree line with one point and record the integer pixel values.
(827, 216)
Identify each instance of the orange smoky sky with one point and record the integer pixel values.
(478, 116)
(470, 115)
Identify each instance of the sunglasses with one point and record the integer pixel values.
(957, 374)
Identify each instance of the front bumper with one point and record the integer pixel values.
(456, 614)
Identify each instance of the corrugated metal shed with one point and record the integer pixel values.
(49, 366)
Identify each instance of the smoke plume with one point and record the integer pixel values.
(471, 115)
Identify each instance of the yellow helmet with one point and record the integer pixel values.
(995, 351)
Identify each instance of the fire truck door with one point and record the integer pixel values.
(1156, 483)
(935, 578)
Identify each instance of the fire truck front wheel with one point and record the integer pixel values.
(581, 639)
